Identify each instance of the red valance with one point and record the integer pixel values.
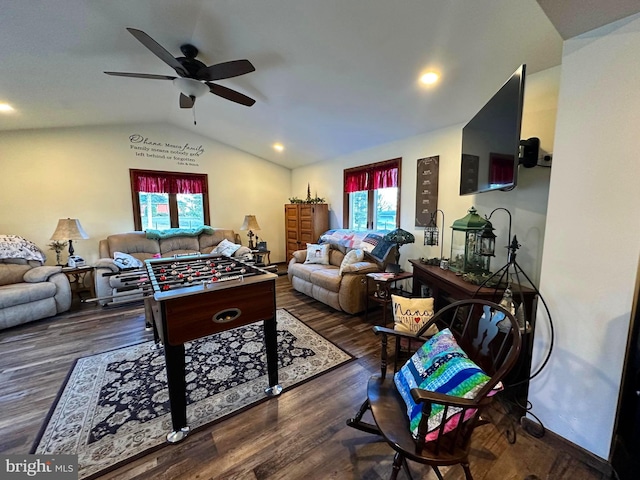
(371, 178)
(149, 182)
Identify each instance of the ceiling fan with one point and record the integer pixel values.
(195, 77)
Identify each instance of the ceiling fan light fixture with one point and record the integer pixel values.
(191, 87)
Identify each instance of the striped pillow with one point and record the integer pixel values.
(440, 365)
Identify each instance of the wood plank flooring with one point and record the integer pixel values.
(299, 435)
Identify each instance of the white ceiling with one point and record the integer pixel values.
(332, 76)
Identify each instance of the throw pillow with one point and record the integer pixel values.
(441, 366)
(353, 256)
(124, 260)
(226, 248)
(410, 314)
(317, 254)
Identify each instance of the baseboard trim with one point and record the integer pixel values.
(580, 453)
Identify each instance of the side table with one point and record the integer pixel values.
(261, 254)
(385, 287)
(77, 277)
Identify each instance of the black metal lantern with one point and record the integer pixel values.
(464, 257)
(431, 233)
(486, 241)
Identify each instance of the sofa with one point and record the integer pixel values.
(29, 290)
(116, 278)
(333, 271)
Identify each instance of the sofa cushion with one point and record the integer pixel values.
(19, 293)
(317, 254)
(327, 278)
(335, 256)
(178, 245)
(304, 271)
(208, 242)
(12, 273)
(134, 243)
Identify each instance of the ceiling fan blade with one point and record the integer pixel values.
(186, 102)
(224, 70)
(141, 75)
(229, 94)
(158, 50)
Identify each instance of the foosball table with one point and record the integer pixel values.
(199, 295)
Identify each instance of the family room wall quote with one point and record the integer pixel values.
(182, 153)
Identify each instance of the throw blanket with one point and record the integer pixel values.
(178, 232)
(13, 246)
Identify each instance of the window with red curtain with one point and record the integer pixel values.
(367, 195)
(371, 177)
(171, 185)
(166, 182)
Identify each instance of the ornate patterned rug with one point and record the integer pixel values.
(115, 405)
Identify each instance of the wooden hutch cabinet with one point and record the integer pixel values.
(304, 223)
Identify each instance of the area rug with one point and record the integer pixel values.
(115, 405)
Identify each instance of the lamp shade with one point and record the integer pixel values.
(250, 223)
(399, 237)
(69, 229)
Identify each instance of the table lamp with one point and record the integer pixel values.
(69, 229)
(251, 224)
(399, 237)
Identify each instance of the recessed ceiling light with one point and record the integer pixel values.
(5, 107)
(429, 78)
(278, 147)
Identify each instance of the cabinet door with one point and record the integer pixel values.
(291, 229)
(306, 225)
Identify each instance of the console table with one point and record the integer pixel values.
(446, 287)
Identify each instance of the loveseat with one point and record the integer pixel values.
(121, 253)
(29, 290)
(333, 271)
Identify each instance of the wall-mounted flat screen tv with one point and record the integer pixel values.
(491, 141)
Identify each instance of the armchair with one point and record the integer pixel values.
(427, 416)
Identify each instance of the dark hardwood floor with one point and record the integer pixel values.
(299, 435)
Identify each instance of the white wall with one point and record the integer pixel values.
(84, 173)
(592, 240)
(527, 203)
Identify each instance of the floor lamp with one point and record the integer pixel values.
(485, 245)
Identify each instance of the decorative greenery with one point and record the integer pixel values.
(309, 199)
(480, 278)
(430, 261)
(57, 246)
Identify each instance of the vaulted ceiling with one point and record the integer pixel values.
(332, 76)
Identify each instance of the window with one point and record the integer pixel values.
(163, 200)
(372, 196)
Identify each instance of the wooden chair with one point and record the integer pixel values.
(492, 345)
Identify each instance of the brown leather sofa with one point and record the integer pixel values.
(344, 291)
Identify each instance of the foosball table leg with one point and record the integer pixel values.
(175, 362)
(271, 345)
